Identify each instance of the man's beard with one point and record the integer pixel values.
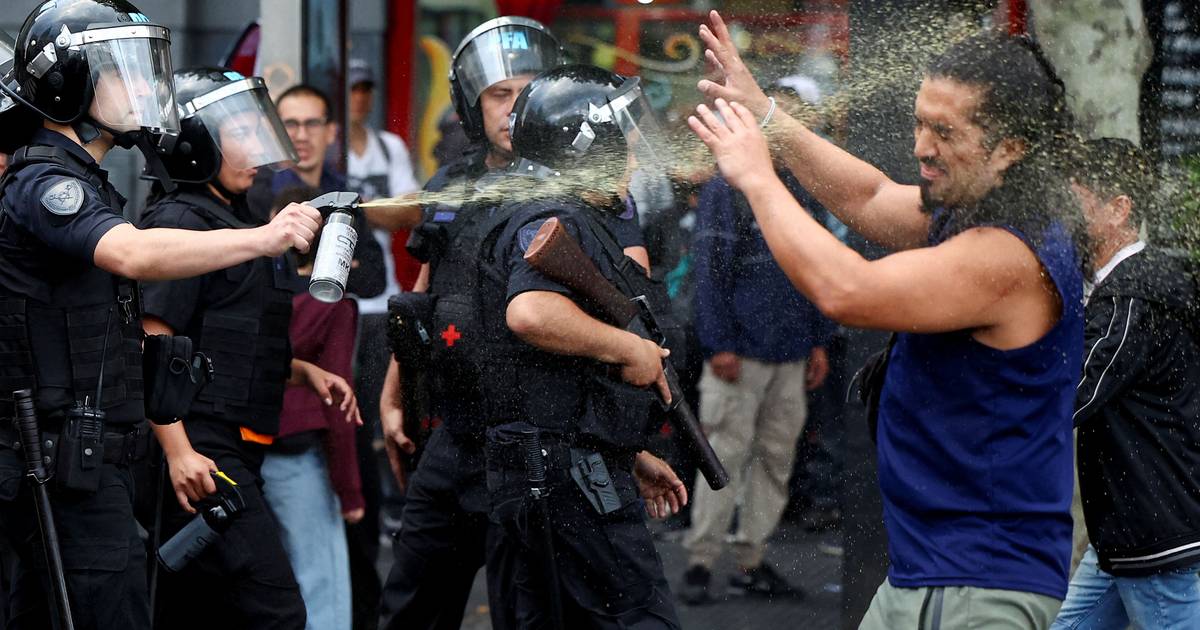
(928, 203)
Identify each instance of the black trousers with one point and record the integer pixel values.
(103, 557)
(244, 579)
(442, 542)
(610, 575)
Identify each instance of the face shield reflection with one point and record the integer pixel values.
(633, 115)
(6, 77)
(503, 53)
(6, 53)
(245, 126)
(131, 80)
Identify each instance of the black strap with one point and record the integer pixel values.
(612, 250)
(214, 209)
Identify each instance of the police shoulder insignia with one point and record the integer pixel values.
(64, 198)
(525, 236)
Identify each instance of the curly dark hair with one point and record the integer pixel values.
(1021, 97)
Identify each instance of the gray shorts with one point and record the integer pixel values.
(958, 608)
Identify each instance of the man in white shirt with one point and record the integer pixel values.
(379, 166)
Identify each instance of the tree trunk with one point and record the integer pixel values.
(1101, 49)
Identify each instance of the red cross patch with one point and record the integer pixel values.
(450, 335)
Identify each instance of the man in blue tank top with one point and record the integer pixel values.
(974, 413)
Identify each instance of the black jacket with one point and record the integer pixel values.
(1138, 417)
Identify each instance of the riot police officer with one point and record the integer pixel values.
(590, 561)
(238, 317)
(92, 74)
(441, 543)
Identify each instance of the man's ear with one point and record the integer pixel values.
(1009, 151)
(1120, 209)
(331, 133)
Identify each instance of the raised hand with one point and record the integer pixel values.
(735, 83)
(736, 142)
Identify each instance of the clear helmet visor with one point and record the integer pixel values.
(6, 52)
(245, 126)
(503, 53)
(631, 111)
(131, 81)
(6, 74)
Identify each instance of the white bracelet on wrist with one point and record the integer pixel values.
(770, 112)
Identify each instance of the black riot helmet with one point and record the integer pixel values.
(224, 117)
(582, 116)
(18, 122)
(499, 49)
(73, 54)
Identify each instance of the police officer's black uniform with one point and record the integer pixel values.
(590, 426)
(56, 307)
(610, 573)
(239, 318)
(66, 325)
(442, 542)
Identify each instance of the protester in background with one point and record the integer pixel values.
(379, 166)
(1137, 411)
(765, 347)
(4, 159)
(310, 473)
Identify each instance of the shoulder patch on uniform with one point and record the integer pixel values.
(525, 236)
(628, 213)
(64, 198)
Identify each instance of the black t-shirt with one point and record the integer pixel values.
(61, 217)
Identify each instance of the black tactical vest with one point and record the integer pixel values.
(80, 323)
(581, 400)
(243, 328)
(460, 336)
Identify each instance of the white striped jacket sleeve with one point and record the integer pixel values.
(1116, 346)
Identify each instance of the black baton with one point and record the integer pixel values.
(535, 467)
(27, 428)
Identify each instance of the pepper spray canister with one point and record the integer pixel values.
(335, 252)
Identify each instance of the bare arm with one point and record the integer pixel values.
(640, 255)
(985, 279)
(552, 322)
(859, 194)
(422, 283)
(168, 254)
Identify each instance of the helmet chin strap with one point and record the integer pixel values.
(88, 129)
